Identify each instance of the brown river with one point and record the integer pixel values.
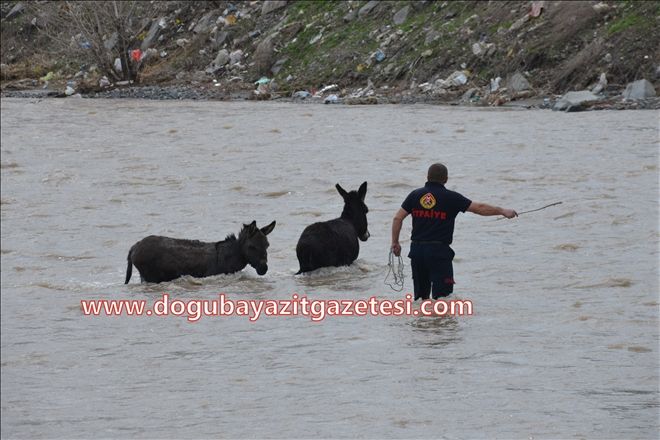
(563, 342)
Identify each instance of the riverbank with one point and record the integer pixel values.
(506, 53)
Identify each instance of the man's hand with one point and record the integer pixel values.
(396, 249)
(486, 209)
(509, 213)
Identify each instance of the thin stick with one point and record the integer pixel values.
(533, 210)
(538, 209)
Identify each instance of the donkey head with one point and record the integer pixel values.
(355, 210)
(254, 244)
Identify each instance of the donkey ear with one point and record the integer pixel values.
(362, 191)
(268, 229)
(342, 191)
(252, 227)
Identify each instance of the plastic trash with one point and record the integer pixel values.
(495, 84)
(328, 88)
(457, 78)
(262, 80)
(302, 94)
(47, 77)
(136, 55)
(104, 82)
(117, 64)
(86, 45)
(331, 99)
(379, 55)
(69, 91)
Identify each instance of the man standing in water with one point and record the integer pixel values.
(434, 208)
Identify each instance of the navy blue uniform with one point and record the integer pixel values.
(433, 209)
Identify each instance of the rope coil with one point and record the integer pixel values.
(396, 272)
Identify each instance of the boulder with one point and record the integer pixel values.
(639, 90)
(572, 100)
(367, 8)
(401, 16)
(350, 16)
(17, 10)
(221, 58)
(263, 55)
(272, 5)
(517, 83)
(205, 23)
(236, 56)
(221, 38)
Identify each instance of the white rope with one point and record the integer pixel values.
(397, 273)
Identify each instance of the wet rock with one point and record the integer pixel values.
(517, 83)
(17, 10)
(607, 58)
(263, 55)
(271, 6)
(150, 38)
(367, 8)
(639, 90)
(401, 16)
(573, 101)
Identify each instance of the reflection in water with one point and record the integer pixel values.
(562, 343)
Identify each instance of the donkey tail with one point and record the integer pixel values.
(129, 268)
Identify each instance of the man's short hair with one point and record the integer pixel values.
(437, 173)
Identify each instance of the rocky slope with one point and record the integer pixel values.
(477, 52)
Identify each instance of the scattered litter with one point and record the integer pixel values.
(328, 88)
(302, 94)
(262, 80)
(331, 99)
(136, 55)
(49, 76)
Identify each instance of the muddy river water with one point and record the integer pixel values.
(563, 342)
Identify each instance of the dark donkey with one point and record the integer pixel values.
(163, 259)
(335, 242)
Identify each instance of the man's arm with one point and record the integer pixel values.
(485, 209)
(396, 230)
